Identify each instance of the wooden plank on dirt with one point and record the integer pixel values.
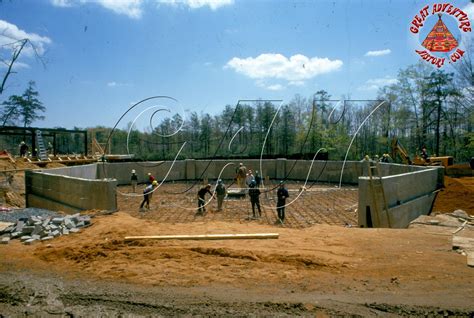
(206, 237)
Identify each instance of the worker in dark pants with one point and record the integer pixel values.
(254, 194)
(201, 199)
(147, 194)
(282, 194)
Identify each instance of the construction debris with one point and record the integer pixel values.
(463, 235)
(42, 228)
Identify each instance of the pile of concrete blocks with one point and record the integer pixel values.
(38, 228)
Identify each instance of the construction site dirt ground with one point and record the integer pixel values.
(321, 264)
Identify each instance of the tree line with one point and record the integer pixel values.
(425, 107)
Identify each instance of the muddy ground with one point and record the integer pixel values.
(321, 265)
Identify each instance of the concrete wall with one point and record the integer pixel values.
(211, 169)
(406, 196)
(84, 171)
(69, 194)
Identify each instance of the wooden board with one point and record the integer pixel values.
(206, 237)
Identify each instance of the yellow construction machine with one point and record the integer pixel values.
(397, 148)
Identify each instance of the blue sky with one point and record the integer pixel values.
(102, 56)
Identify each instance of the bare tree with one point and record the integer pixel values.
(16, 46)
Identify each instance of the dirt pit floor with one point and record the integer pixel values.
(177, 203)
(318, 267)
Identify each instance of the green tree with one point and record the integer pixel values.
(23, 109)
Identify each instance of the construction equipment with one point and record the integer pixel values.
(397, 148)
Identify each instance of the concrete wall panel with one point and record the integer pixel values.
(401, 193)
(45, 190)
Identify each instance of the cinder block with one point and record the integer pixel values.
(65, 231)
(46, 222)
(28, 229)
(19, 226)
(76, 217)
(80, 224)
(25, 237)
(55, 233)
(74, 230)
(38, 229)
(46, 238)
(29, 242)
(9, 229)
(57, 220)
(35, 237)
(31, 220)
(16, 234)
(69, 223)
(5, 240)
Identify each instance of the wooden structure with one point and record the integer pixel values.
(29, 135)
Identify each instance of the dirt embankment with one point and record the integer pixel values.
(457, 194)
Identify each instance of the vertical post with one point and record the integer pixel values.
(33, 142)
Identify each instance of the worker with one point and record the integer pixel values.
(201, 199)
(147, 194)
(241, 175)
(134, 180)
(254, 194)
(424, 154)
(23, 149)
(221, 193)
(386, 158)
(151, 178)
(282, 194)
(249, 178)
(50, 148)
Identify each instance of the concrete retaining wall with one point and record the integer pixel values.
(406, 195)
(206, 169)
(69, 194)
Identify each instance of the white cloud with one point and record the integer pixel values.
(10, 33)
(130, 8)
(196, 4)
(376, 83)
(297, 68)
(378, 53)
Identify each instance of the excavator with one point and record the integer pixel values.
(397, 148)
